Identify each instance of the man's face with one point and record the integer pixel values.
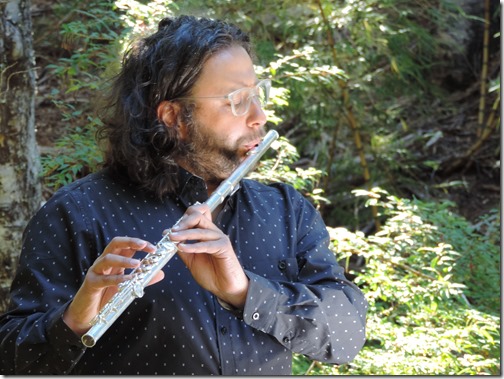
(217, 140)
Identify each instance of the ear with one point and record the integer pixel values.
(168, 113)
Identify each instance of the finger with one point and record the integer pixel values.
(128, 246)
(197, 234)
(158, 277)
(195, 221)
(105, 263)
(106, 281)
(194, 217)
(199, 208)
(213, 247)
(101, 281)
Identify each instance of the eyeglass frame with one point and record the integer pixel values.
(229, 96)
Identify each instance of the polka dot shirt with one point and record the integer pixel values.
(298, 300)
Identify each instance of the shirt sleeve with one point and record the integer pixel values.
(321, 314)
(33, 337)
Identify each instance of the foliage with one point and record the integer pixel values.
(278, 169)
(430, 313)
(77, 156)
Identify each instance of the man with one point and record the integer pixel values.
(251, 283)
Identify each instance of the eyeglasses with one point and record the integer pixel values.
(241, 98)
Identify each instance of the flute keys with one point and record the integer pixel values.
(138, 290)
(149, 261)
(165, 246)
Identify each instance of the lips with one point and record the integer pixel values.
(249, 146)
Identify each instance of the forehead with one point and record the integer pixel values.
(226, 70)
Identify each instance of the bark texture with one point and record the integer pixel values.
(20, 189)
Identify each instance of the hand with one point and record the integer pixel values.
(211, 257)
(102, 278)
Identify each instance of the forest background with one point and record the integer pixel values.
(389, 113)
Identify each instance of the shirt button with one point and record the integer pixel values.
(223, 330)
(282, 265)
(255, 316)
(286, 340)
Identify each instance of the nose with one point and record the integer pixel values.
(256, 116)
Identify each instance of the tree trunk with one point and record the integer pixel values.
(20, 189)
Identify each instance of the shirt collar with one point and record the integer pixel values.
(192, 189)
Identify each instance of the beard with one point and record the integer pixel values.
(207, 155)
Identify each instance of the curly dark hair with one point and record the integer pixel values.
(162, 66)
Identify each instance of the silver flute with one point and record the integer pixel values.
(165, 250)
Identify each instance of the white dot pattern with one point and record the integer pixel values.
(298, 301)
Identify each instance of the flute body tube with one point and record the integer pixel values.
(165, 250)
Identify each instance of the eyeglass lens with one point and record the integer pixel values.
(241, 99)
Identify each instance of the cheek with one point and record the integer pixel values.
(211, 113)
(219, 120)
